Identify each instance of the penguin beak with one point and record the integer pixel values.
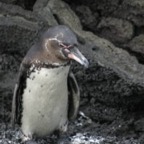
(75, 54)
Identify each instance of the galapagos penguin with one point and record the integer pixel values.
(46, 94)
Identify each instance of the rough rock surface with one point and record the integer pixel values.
(137, 44)
(131, 10)
(115, 30)
(112, 90)
(136, 47)
(89, 20)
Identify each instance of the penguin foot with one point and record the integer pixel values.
(26, 138)
(63, 128)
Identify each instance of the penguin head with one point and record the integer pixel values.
(61, 42)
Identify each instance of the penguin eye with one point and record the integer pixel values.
(67, 46)
(63, 45)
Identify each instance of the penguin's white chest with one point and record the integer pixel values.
(45, 101)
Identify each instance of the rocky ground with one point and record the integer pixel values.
(110, 33)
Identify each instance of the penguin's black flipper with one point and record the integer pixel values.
(17, 95)
(74, 96)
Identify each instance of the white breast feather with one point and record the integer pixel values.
(45, 101)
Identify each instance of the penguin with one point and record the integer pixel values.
(46, 95)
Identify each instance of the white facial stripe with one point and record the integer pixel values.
(46, 43)
(55, 39)
(59, 35)
(60, 42)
